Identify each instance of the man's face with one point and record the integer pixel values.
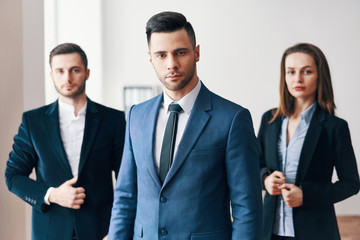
(69, 75)
(174, 60)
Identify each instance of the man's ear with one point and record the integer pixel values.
(87, 74)
(197, 53)
(51, 75)
(150, 58)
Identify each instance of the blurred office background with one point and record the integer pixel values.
(241, 43)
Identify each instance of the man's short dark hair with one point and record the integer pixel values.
(66, 48)
(169, 22)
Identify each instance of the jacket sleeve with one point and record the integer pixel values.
(22, 160)
(125, 195)
(261, 147)
(118, 146)
(326, 193)
(242, 166)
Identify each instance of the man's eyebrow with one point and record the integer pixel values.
(159, 52)
(181, 49)
(61, 68)
(176, 50)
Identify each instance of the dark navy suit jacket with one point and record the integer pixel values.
(327, 146)
(216, 162)
(38, 146)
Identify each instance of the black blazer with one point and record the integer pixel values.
(38, 146)
(327, 146)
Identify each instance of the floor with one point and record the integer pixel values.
(349, 227)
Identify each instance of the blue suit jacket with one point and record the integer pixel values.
(216, 162)
(38, 146)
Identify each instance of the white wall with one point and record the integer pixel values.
(241, 43)
(78, 22)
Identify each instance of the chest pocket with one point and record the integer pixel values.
(205, 152)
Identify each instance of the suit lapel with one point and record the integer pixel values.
(92, 121)
(310, 143)
(52, 126)
(150, 119)
(197, 121)
(274, 131)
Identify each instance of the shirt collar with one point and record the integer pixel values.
(187, 102)
(308, 113)
(68, 110)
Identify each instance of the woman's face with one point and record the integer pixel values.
(301, 76)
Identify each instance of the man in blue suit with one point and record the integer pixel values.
(73, 144)
(214, 160)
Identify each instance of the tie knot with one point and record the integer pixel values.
(174, 107)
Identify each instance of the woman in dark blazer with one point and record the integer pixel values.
(301, 143)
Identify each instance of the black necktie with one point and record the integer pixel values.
(168, 145)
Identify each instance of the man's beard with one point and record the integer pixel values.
(80, 90)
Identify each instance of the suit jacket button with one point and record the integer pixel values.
(163, 199)
(163, 232)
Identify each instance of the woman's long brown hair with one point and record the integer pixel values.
(324, 92)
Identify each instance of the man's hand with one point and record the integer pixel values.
(292, 195)
(273, 181)
(67, 196)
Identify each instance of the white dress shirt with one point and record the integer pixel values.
(72, 133)
(186, 103)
